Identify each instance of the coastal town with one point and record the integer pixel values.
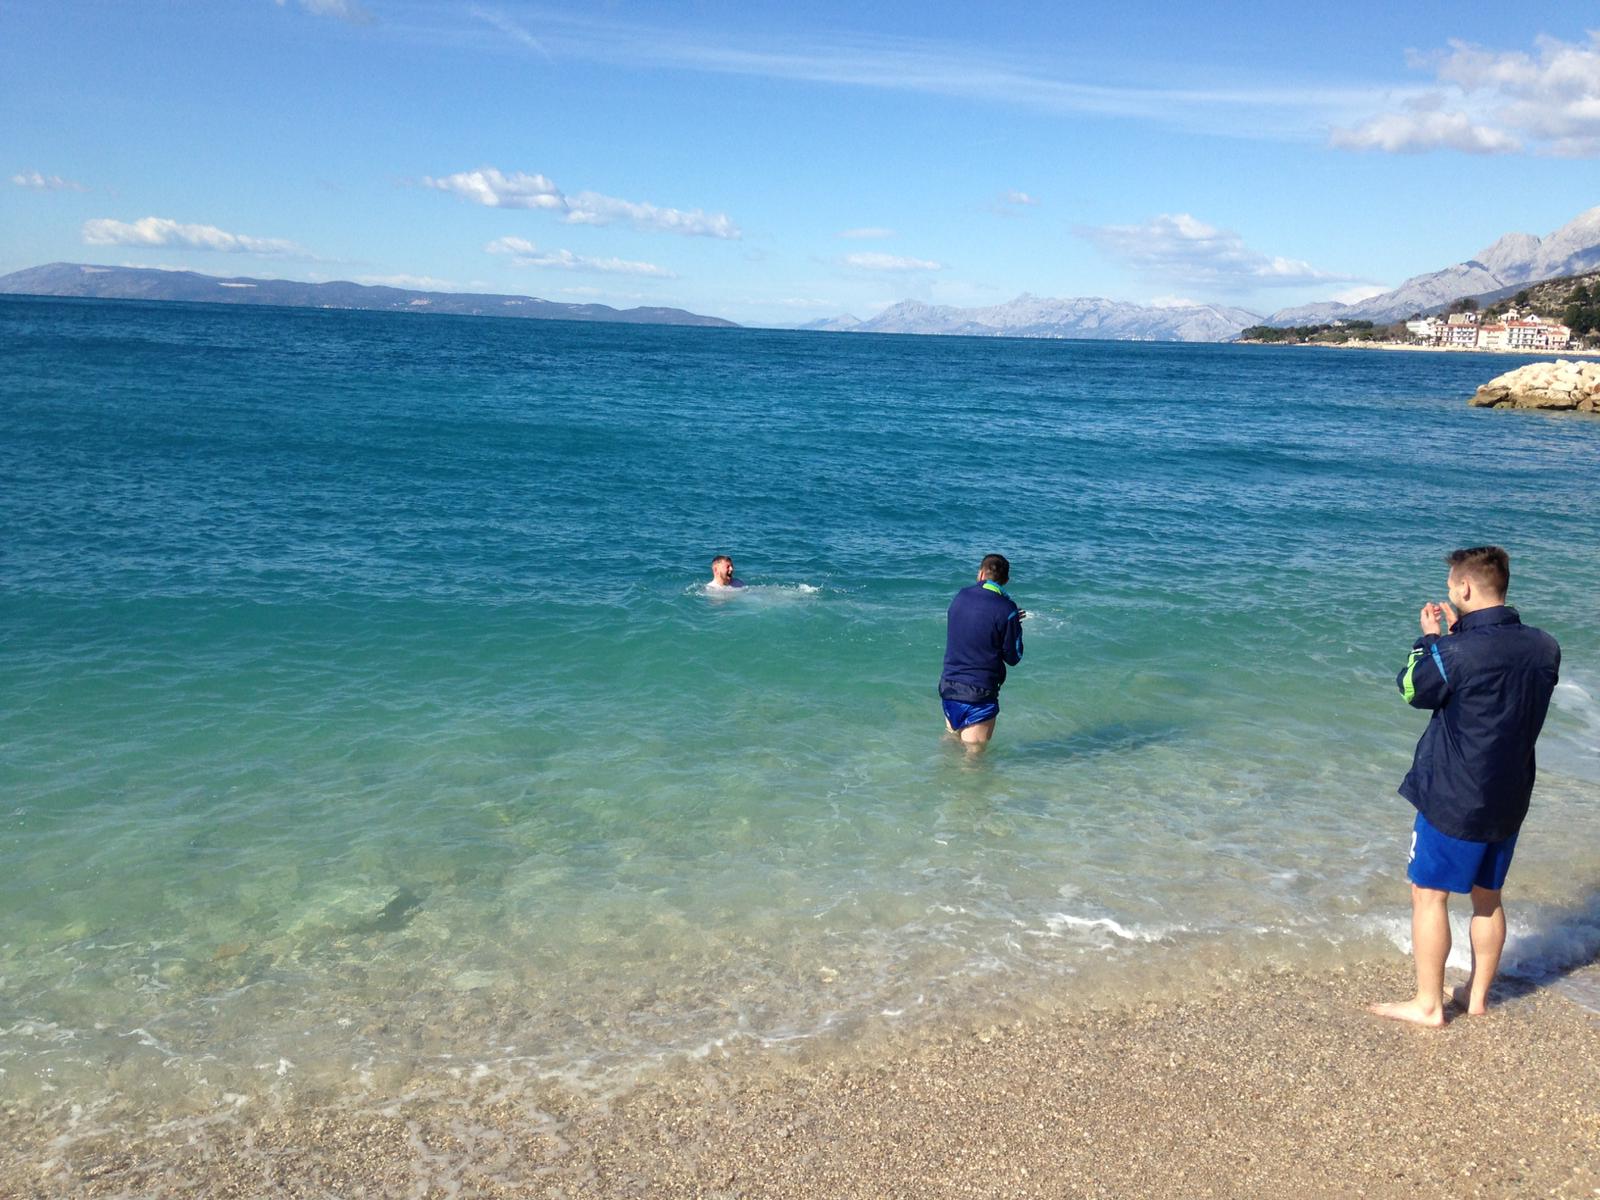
(1560, 315)
(1513, 330)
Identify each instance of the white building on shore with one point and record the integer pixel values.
(1429, 331)
(1515, 331)
(1461, 329)
(1530, 333)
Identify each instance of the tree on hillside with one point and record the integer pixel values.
(1580, 295)
(1465, 304)
(1522, 299)
(1582, 318)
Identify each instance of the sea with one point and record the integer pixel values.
(366, 725)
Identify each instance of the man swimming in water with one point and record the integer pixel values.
(983, 633)
(722, 573)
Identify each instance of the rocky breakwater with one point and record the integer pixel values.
(1553, 385)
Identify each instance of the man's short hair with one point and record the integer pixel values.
(995, 567)
(1487, 566)
(720, 558)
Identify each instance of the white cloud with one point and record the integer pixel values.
(1175, 302)
(496, 189)
(46, 183)
(891, 262)
(591, 208)
(922, 66)
(1493, 102)
(510, 28)
(416, 283)
(603, 295)
(1011, 203)
(159, 231)
(800, 302)
(1417, 132)
(866, 234)
(1356, 295)
(525, 254)
(1176, 246)
(344, 10)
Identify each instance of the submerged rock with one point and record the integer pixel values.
(396, 914)
(1563, 385)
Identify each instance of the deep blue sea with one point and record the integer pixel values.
(364, 722)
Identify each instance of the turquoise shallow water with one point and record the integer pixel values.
(365, 723)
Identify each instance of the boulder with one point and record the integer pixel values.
(1490, 395)
(1562, 386)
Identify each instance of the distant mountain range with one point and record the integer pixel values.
(1516, 259)
(1041, 317)
(143, 283)
(1498, 271)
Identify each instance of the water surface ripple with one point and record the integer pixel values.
(364, 723)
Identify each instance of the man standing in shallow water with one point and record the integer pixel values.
(983, 633)
(1488, 679)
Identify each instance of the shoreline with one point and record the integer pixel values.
(1274, 1081)
(1355, 345)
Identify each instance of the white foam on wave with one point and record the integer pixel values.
(757, 592)
(1548, 942)
(1057, 924)
(1576, 740)
(1572, 696)
(1039, 620)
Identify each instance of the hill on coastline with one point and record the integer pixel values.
(145, 283)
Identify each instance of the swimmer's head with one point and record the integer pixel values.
(995, 568)
(721, 570)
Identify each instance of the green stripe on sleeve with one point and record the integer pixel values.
(1408, 684)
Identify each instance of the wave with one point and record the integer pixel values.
(758, 592)
(1544, 943)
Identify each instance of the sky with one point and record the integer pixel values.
(777, 163)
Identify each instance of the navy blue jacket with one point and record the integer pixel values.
(983, 634)
(1488, 682)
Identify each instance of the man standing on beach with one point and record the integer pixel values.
(983, 634)
(1488, 679)
(722, 573)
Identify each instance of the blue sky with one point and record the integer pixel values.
(777, 163)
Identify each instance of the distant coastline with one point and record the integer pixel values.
(85, 281)
(1353, 344)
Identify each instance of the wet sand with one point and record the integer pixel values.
(1281, 1084)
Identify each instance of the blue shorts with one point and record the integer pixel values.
(1449, 864)
(961, 715)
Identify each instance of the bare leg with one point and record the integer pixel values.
(1488, 940)
(1430, 946)
(976, 737)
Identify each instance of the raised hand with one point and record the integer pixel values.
(1429, 617)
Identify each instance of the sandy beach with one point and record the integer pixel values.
(1280, 1084)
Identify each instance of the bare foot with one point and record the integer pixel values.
(1414, 1011)
(1461, 997)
